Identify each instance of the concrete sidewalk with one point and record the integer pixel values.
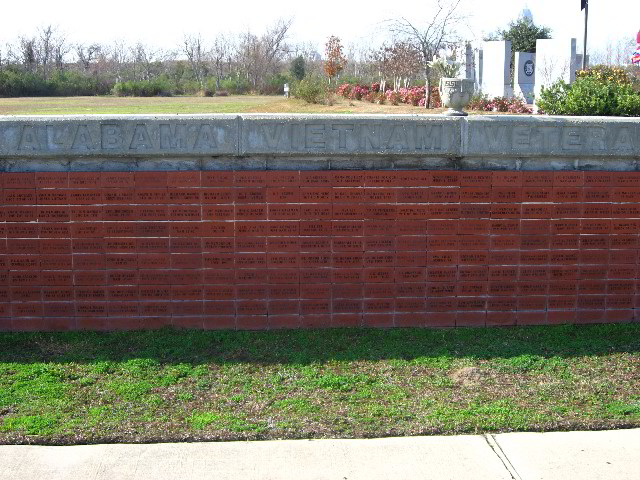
(520, 456)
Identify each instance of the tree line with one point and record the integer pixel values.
(45, 63)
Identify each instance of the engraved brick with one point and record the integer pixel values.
(473, 273)
(532, 288)
(353, 275)
(315, 195)
(19, 196)
(597, 178)
(379, 243)
(568, 179)
(471, 258)
(409, 290)
(537, 179)
(30, 293)
(283, 195)
(184, 179)
(378, 275)
(439, 210)
(250, 244)
(18, 179)
(249, 178)
(281, 212)
(116, 179)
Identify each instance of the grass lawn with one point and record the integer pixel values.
(188, 105)
(169, 385)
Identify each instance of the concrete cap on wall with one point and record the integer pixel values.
(317, 135)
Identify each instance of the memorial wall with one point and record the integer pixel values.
(272, 221)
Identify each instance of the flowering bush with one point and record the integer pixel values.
(343, 90)
(413, 95)
(499, 104)
(606, 74)
(358, 91)
(394, 97)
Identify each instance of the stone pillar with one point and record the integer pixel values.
(496, 58)
(524, 75)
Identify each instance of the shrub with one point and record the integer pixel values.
(606, 74)
(157, 87)
(498, 104)
(343, 90)
(275, 84)
(235, 85)
(311, 89)
(590, 95)
(17, 83)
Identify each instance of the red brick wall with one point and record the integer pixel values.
(253, 249)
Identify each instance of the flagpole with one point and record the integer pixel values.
(584, 49)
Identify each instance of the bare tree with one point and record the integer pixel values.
(87, 55)
(118, 58)
(28, 53)
(404, 63)
(146, 61)
(436, 33)
(220, 51)
(195, 51)
(273, 43)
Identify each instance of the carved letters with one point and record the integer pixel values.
(319, 135)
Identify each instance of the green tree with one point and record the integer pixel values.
(298, 67)
(523, 34)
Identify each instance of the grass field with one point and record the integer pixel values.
(187, 105)
(169, 385)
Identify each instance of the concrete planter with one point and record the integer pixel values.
(456, 94)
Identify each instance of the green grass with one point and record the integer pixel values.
(191, 105)
(169, 385)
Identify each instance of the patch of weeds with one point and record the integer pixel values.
(240, 424)
(32, 424)
(200, 371)
(200, 421)
(96, 414)
(238, 398)
(138, 367)
(154, 399)
(294, 405)
(624, 409)
(103, 367)
(130, 390)
(87, 381)
(441, 362)
(204, 384)
(185, 396)
(34, 383)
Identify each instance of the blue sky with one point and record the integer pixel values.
(163, 24)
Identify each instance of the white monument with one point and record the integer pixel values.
(555, 60)
(477, 64)
(496, 81)
(524, 75)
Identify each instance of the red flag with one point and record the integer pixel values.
(635, 58)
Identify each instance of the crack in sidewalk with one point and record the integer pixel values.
(495, 446)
